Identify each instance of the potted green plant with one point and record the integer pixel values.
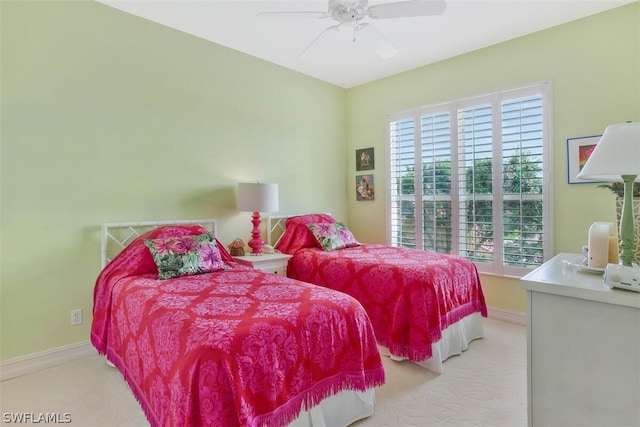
(617, 188)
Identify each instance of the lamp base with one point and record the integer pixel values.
(627, 223)
(256, 243)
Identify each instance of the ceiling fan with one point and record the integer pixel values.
(354, 12)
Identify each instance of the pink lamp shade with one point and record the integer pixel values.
(256, 198)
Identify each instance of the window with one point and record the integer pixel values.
(471, 177)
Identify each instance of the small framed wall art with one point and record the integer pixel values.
(364, 187)
(364, 159)
(578, 151)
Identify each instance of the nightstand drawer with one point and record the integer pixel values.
(271, 263)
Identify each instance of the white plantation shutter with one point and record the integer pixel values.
(435, 159)
(402, 182)
(475, 185)
(523, 133)
(468, 177)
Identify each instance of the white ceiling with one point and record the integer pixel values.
(466, 25)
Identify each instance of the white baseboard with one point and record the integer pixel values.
(507, 315)
(23, 365)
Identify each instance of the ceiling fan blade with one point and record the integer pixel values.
(406, 9)
(308, 51)
(373, 37)
(292, 14)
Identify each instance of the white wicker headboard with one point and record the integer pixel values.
(117, 235)
(276, 226)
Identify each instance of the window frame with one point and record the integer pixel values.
(497, 267)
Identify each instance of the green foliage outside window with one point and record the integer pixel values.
(522, 218)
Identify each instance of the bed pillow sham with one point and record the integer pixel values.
(332, 236)
(297, 236)
(185, 255)
(136, 258)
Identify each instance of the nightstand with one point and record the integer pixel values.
(271, 263)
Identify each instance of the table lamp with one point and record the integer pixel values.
(256, 198)
(616, 158)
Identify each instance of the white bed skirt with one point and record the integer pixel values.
(338, 410)
(455, 339)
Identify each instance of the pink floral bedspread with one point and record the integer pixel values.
(233, 347)
(411, 295)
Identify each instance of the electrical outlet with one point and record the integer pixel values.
(76, 317)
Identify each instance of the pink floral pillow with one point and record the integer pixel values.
(332, 236)
(185, 255)
(297, 236)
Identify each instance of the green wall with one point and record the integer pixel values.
(107, 117)
(594, 67)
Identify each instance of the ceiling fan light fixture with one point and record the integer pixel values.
(344, 11)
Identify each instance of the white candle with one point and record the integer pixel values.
(598, 245)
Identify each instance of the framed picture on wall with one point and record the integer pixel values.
(364, 159)
(578, 151)
(365, 188)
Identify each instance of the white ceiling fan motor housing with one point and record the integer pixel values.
(348, 11)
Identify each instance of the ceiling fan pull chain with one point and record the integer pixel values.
(355, 27)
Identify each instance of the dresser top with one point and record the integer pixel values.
(561, 276)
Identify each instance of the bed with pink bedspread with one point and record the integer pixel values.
(424, 306)
(230, 346)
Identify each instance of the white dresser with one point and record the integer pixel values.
(583, 348)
